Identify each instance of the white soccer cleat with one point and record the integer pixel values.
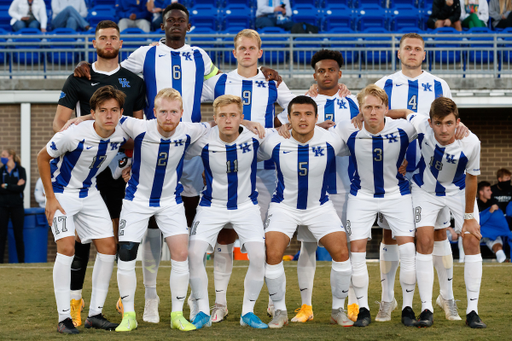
(280, 319)
(449, 307)
(192, 305)
(219, 313)
(270, 309)
(338, 316)
(385, 310)
(151, 310)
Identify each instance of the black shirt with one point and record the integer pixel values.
(502, 196)
(13, 194)
(482, 206)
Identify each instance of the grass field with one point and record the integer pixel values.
(28, 311)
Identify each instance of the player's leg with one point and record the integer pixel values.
(425, 272)
(151, 256)
(306, 267)
(222, 268)
(389, 256)
(496, 246)
(78, 270)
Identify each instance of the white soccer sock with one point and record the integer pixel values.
(351, 295)
(198, 276)
(461, 250)
(222, 268)
(275, 279)
(151, 256)
(360, 278)
(389, 257)
(76, 294)
(500, 256)
(306, 267)
(62, 284)
(407, 272)
(443, 262)
(341, 273)
(179, 284)
(473, 279)
(101, 274)
(255, 275)
(127, 283)
(425, 279)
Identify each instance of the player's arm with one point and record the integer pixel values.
(255, 127)
(397, 113)
(138, 114)
(52, 204)
(62, 116)
(471, 226)
(343, 90)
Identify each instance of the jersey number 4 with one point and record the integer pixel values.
(413, 103)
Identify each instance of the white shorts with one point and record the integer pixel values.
(87, 216)
(245, 220)
(134, 219)
(265, 185)
(442, 221)
(490, 243)
(192, 177)
(361, 213)
(320, 221)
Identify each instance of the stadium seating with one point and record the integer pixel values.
(377, 56)
(204, 30)
(337, 16)
(5, 18)
(130, 44)
(228, 55)
(404, 16)
(272, 57)
(328, 3)
(101, 12)
(92, 56)
(484, 54)
(371, 16)
(57, 56)
(349, 51)
(365, 3)
(506, 57)
(32, 57)
(237, 15)
(205, 16)
(3, 55)
(308, 47)
(306, 13)
(445, 54)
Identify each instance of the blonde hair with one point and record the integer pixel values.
(505, 6)
(412, 36)
(224, 100)
(373, 90)
(170, 94)
(15, 157)
(248, 33)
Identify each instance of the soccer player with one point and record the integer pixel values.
(304, 164)
(414, 89)
(447, 177)
(229, 153)
(68, 166)
(376, 153)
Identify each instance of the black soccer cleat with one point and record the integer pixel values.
(426, 319)
(408, 317)
(67, 327)
(363, 318)
(99, 322)
(474, 321)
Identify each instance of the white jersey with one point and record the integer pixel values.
(80, 154)
(303, 170)
(375, 159)
(183, 69)
(442, 168)
(157, 162)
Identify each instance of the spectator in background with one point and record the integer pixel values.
(274, 13)
(28, 13)
(39, 193)
(11, 201)
(445, 13)
(132, 13)
(69, 14)
(474, 13)
(502, 191)
(500, 13)
(157, 7)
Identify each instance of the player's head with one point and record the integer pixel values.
(327, 65)
(503, 175)
(373, 104)
(228, 114)
(175, 21)
(303, 115)
(107, 108)
(168, 110)
(107, 40)
(484, 190)
(412, 51)
(247, 48)
(444, 119)
(8, 155)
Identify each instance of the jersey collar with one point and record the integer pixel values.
(106, 73)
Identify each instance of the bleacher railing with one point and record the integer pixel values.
(366, 55)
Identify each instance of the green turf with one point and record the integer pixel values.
(28, 311)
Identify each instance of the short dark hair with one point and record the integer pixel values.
(327, 54)
(302, 100)
(104, 94)
(177, 6)
(502, 172)
(442, 107)
(412, 36)
(106, 24)
(482, 185)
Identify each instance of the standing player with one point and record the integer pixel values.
(68, 166)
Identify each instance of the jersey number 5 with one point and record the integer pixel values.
(303, 168)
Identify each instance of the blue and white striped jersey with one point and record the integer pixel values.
(230, 169)
(375, 159)
(303, 170)
(183, 69)
(80, 154)
(157, 162)
(442, 169)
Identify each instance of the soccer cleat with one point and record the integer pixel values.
(219, 312)
(119, 307)
(280, 319)
(202, 320)
(99, 322)
(385, 310)
(151, 310)
(338, 316)
(353, 310)
(449, 307)
(474, 321)
(179, 322)
(408, 317)
(192, 305)
(253, 321)
(304, 314)
(363, 318)
(67, 327)
(128, 323)
(270, 309)
(76, 308)
(426, 319)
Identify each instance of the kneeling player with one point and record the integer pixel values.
(74, 203)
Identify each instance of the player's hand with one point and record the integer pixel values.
(313, 91)
(343, 90)
(452, 232)
(461, 132)
(358, 121)
(284, 130)
(471, 226)
(403, 168)
(448, 22)
(133, 16)
(21, 182)
(271, 75)
(52, 205)
(43, 30)
(25, 18)
(326, 124)
(255, 127)
(76, 121)
(83, 70)
(493, 208)
(126, 173)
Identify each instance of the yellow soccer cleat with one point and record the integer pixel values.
(128, 323)
(76, 308)
(304, 314)
(179, 322)
(353, 311)
(119, 307)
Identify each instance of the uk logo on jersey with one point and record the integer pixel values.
(124, 83)
(114, 145)
(261, 84)
(341, 104)
(53, 146)
(187, 56)
(450, 158)
(319, 151)
(427, 87)
(391, 137)
(62, 95)
(178, 143)
(245, 147)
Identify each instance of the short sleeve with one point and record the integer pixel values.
(196, 130)
(131, 126)
(419, 122)
(343, 130)
(267, 145)
(284, 95)
(69, 95)
(208, 94)
(195, 148)
(135, 61)
(473, 166)
(61, 142)
(409, 129)
(210, 69)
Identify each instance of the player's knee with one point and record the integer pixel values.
(128, 251)
(180, 255)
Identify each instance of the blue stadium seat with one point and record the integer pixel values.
(248, 3)
(316, 3)
(414, 3)
(273, 57)
(371, 16)
(57, 56)
(215, 3)
(206, 47)
(130, 44)
(5, 19)
(349, 51)
(445, 55)
(363, 3)
(28, 57)
(228, 55)
(507, 44)
(485, 53)
(3, 55)
(381, 53)
(306, 13)
(92, 52)
(205, 16)
(237, 15)
(103, 2)
(411, 30)
(309, 47)
(337, 16)
(101, 12)
(403, 16)
(329, 3)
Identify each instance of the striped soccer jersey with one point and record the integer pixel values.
(303, 170)
(157, 162)
(442, 169)
(80, 154)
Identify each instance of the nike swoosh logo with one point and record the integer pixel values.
(161, 55)
(88, 147)
(399, 84)
(123, 297)
(359, 297)
(303, 289)
(213, 151)
(450, 279)
(219, 290)
(284, 152)
(100, 307)
(252, 300)
(382, 280)
(94, 84)
(65, 310)
(409, 290)
(180, 298)
(344, 291)
(273, 294)
(473, 299)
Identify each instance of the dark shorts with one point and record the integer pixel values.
(112, 192)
